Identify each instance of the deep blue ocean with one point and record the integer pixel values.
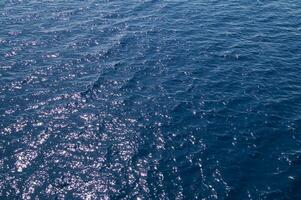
(150, 99)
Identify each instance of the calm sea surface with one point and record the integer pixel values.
(197, 99)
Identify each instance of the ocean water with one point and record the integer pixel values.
(177, 99)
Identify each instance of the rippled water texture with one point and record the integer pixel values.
(197, 99)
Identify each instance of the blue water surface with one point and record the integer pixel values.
(175, 99)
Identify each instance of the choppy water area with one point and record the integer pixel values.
(196, 99)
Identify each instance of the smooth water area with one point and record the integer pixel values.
(174, 99)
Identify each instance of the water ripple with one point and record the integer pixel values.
(150, 99)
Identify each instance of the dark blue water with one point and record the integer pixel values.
(197, 99)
